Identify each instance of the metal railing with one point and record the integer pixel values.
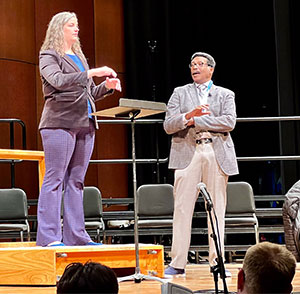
(270, 118)
(12, 122)
(165, 160)
(129, 160)
(157, 160)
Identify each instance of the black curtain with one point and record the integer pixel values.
(161, 36)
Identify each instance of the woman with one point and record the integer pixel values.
(68, 130)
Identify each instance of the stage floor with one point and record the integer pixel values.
(197, 278)
(38, 267)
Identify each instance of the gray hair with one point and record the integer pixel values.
(210, 60)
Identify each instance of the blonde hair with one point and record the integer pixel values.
(268, 268)
(55, 36)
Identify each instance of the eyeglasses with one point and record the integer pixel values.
(200, 64)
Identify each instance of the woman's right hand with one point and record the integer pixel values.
(103, 71)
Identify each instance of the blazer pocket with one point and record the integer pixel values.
(65, 97)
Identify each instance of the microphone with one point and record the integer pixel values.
(202, 189)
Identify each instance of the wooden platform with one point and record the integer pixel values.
(31, 155)
(24, 263)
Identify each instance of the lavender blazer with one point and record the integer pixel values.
(66, 92)
(222, 119)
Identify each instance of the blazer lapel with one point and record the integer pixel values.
(71, 62)
(194, 95)
(211, 94)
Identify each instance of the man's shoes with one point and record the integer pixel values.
(171, 272)
(227, 274)
(92, 243)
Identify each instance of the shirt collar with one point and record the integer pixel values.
(205, 85)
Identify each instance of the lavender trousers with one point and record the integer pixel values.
(67, 155)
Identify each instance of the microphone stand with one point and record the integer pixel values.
(219, 268)
(152, 45)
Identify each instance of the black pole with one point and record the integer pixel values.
(11, 122)
(12, 146)
(152, 45)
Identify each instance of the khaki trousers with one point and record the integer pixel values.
(203, 168)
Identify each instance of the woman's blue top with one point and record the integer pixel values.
(78, 62)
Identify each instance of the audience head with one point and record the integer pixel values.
(267, 268)
(91, 277)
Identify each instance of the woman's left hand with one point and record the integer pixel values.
(113, 83)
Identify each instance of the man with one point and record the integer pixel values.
(267, 268)
(200, 116)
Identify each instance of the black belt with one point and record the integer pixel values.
(213, 132)
(204, 141)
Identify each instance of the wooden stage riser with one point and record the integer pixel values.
(33, 265)
(117, 259)
(27, 267)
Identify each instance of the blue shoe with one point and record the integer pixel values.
(56, 244)
(92, 243)
(227, 272)
(171, 272)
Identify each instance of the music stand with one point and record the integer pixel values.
(134, 109)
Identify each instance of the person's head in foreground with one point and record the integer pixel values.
(91, 277)
(267, 268)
